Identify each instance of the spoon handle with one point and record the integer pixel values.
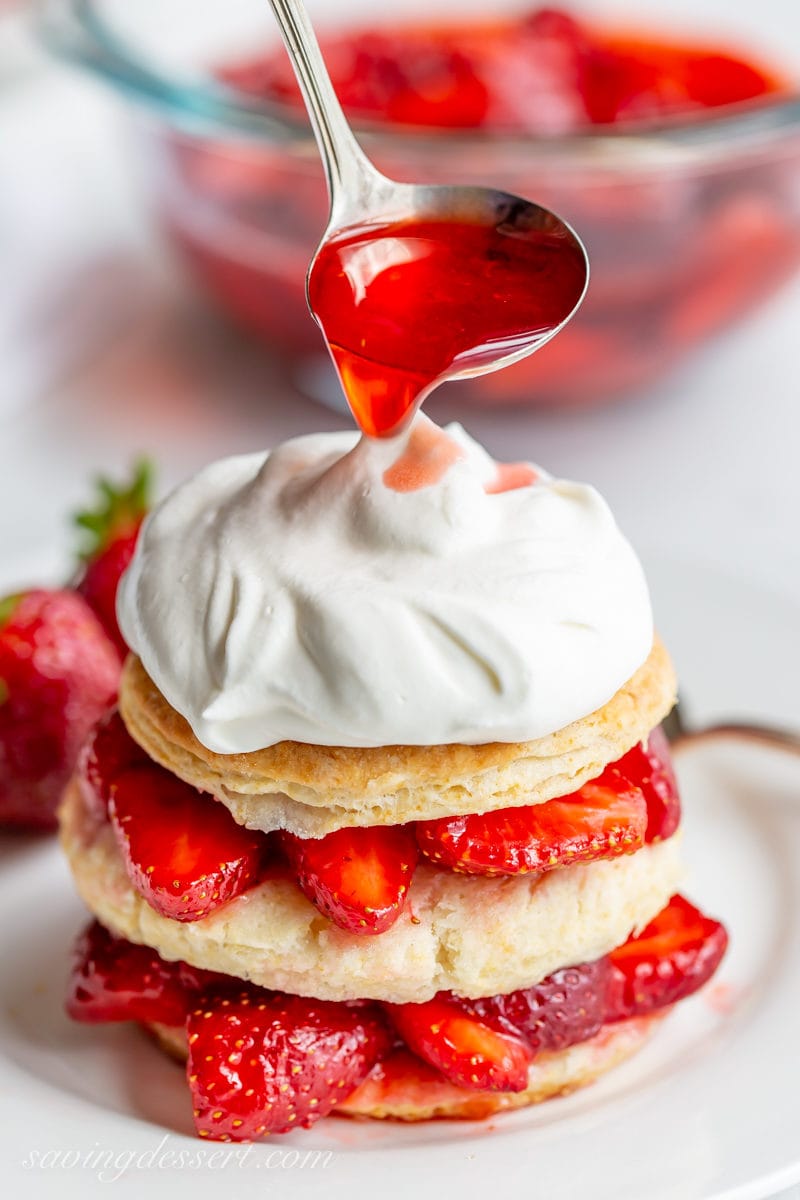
(350, 174)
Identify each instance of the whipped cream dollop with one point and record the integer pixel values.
(297, 596)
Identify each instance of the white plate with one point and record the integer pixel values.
(708, 1109)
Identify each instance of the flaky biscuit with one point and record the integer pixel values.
(476, 936)
(312, 790)
(553, 1073)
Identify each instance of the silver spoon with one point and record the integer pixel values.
(359, 192)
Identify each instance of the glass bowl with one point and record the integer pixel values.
(690, 223)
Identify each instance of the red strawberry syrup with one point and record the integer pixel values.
(404, 305)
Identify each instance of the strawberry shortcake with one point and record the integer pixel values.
(385, 824)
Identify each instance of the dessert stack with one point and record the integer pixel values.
(385, 824)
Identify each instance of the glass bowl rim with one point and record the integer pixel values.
(74, 30)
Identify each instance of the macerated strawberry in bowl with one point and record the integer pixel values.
(673, 154)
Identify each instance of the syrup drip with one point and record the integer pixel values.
(430, 452)
(509, 477)
(427, 457)
(405, 305)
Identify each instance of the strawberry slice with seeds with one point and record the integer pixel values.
(359, 878)
(183, 851)
(649, 767)
(670, 959)
(468, 1050)
(567, 1007)
(114, 980)
(261, 1062)
(604, 819)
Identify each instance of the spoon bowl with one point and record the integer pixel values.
(482, 207)
(415, 284)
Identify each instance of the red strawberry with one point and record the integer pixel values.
(58, 675)
(649, 767)
(108, 751)
(359, 878)
(468, 1050)
(114, 529)
(409, 1087)
(568, 1006)
(674, 956)
(606, 818)
(114, 980)
(183, 850)
(261, 1062)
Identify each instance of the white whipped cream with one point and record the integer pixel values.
(293, 595)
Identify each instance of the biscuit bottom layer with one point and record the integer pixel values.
(403, 1088)
(472, 935)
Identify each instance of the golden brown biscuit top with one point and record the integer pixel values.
(314, 789)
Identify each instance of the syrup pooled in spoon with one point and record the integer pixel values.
(405, 305)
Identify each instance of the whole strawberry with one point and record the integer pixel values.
(112, 528)
(58, 674)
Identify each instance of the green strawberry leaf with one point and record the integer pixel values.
(119, 508)
(7, 606)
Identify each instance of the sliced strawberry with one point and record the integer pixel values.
(568, 1006)
(674, 956)
(114, 980)
(649, 767)
(409, 1089)
(604, 819)
(468, 1050)
(359, 878)
(111, 530)
(261, 1062)
(108, 751)
(197, 981)
(183, 850)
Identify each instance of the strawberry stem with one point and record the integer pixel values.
(7, 606)
(118, 508)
